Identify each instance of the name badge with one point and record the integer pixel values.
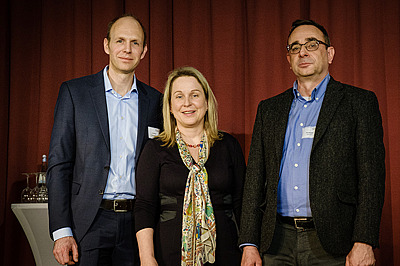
(153, 132)
(308, 132)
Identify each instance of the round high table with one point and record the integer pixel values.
(34, 219)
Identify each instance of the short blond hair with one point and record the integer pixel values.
(210, 118)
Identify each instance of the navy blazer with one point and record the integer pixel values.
(346, 171)
(79, 156)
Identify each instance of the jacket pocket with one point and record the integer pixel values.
(75, 187)
(347, 198)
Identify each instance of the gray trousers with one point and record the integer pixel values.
(291, 246)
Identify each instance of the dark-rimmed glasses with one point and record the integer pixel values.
(310, 46)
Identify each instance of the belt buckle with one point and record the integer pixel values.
(116, 206)
(299, 219)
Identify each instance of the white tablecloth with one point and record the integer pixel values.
(33, 218)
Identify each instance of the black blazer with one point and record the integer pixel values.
(79, 156)
(347, 169)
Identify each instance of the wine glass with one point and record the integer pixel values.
(35, 190)
(25, 194)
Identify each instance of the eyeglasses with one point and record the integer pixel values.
(310, 46)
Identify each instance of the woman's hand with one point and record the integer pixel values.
(146, 247)
(150, 261)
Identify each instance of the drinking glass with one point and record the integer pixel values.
(35, 190)
(25, 194)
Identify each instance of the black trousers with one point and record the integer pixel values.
(110, 241)
(291, 246)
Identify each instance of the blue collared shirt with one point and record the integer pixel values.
(293, 188)
(123, 126)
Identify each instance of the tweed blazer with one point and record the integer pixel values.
(346, 171)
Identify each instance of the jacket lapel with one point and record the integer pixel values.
(143, 117)
(282, 115)
(333, 96)
(97, 93)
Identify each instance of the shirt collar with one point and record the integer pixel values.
(107, 83)
(317, 93)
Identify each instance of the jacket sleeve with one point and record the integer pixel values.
(61, 161)
(253, 194)
(371, 170)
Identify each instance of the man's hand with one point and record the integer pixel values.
(251, 256)
(360, 254)
(66, 250)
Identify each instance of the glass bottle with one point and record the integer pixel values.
(43, 166)
(42, 193)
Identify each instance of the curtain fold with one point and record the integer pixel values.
(239, 45)
(4, 112)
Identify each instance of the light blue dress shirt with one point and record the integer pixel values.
(123, 123)
(293, 188)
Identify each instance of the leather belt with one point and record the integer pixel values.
(119, 205)
(300, 223)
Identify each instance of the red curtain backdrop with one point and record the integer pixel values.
(239, 45)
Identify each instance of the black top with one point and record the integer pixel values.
(160, 186)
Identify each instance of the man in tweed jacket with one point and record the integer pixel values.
(315, 178)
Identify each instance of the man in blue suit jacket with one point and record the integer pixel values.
(101, 123)
(315, 180)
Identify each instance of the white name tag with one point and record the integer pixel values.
(308, 132)
(153, 132)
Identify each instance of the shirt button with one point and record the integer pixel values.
(316, 98)
(120, 156)
(296, 165)
(305, 106)
(301, 124)
(296, 187)
(297, 210)
(298, 144)
(122, 118)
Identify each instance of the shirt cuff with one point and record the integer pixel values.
(247, 244)
(63, 232)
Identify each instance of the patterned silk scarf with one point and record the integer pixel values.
(198, 224)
